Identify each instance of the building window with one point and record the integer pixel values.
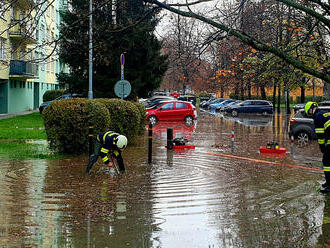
(2, 49)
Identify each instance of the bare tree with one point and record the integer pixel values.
(183, 43)
(317, 13)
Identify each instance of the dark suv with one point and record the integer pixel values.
(302, 127)
(250, 107)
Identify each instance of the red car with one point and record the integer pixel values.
(175, 94)
(172, 111)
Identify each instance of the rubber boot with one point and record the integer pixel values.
(89, 167)
(326, 185)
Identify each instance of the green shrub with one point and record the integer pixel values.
(310, 98)
(125, 117)
(67, 123)
(142, 116)
(52, 94)
(204, 94)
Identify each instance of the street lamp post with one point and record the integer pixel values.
(90, 90)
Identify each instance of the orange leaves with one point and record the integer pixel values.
(224, 73)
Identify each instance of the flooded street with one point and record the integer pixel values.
(213, 196)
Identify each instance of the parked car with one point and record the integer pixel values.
(216, 100)
(251, 107)
(222, 108)
(205, 102)
(188, 98)
(172, 111)
(175, 94)
(152, 101)
(302, 127)
(217, 106)
(66, 96)
(299, 106)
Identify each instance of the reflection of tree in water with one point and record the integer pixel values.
(265, 211)
(99, 209)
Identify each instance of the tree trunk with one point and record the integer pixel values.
(274, 94)
(249, 90)
(263, 93)
(288, 110)
(279, 98)
(302, 94)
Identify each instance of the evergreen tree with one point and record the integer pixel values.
(122, 26)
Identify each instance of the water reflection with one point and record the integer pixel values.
(180, 129)
(256, 121)
(192, 199)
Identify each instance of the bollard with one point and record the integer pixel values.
(91, 140)
(150, 144)
(170, 138)
(232, 140)
(292, 146)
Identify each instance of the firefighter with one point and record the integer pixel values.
(108, 142)
(322, 129)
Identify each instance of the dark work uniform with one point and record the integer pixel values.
(106, 143)
(322, 130)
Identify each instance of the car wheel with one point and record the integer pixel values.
(303, 138)
(189, 120)
(152, 120)
(234, 113)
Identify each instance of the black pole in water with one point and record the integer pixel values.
(91, 140)
(170, 138)
(150, 144)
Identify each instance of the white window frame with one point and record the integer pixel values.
(3, 49)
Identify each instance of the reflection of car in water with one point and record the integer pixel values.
(180, 129)
(257, 121)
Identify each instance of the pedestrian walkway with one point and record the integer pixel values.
(5, 116)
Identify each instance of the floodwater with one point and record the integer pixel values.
(224, 193)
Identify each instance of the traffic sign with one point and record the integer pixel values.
(122, 89)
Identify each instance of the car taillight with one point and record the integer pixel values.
(293, 121)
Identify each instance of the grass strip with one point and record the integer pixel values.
(14, 150)
(24, 137)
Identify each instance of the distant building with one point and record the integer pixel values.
(28, 63)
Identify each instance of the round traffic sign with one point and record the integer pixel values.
(122, 88)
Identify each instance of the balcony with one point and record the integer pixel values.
(23, 69)
(20, 33)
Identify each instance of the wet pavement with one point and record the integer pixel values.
(213, 196)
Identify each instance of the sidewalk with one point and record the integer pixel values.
(5, 116)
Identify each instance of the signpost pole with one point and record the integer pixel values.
(122, 87)
(122, 63)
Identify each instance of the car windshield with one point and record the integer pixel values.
(231, 103)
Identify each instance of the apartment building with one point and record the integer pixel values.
(28, 59)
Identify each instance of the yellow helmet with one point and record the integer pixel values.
(308, 106)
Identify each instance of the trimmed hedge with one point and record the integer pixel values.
(50, 95)
(67, 121)
(125, 117)
(143, 115)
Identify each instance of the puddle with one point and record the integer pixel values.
(189, 199)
